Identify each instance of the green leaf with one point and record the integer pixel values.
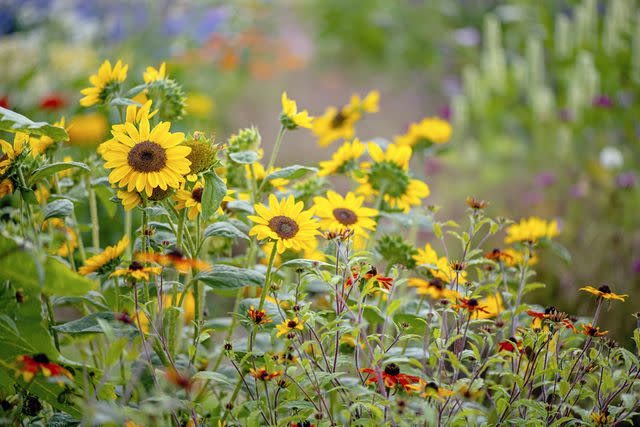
(224, 229)
(214, 191)
(58, 209)
(212, 376)
(245, 157)
(226, 277)
(19, 264)
(124, 102)
(560, 251)
(90, 325)
(303, 263)
(52, 168)
(290, 172)
(14, 122)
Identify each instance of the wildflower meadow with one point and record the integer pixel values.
(158, 270)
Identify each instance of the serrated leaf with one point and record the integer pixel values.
(245, 157)
(224, 229)
(58, 209)
(214, 191)
(291, 172)
(52, 168)
(14, 122)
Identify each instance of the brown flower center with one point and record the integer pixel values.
(392, 369)
(437, 283)
(292, 324)
(196, 194)
(147, 157)
(605, 289)
(41, 358)
(135, 265)
(345, 216)
(338, 120)
(284, 227)
(472, 303)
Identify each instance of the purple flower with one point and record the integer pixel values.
(545, 179)
(445, 112)
(636, 266)
(579, 190)
(603, 101)
(626, 180)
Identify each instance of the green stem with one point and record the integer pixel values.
(93, 210)
(127, 231)
(52, 320)
(276, 149)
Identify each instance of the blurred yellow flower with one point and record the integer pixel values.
(531, 230)
(337, 124)
(39, 145)
(87, 129)
(344, 159)
(439, 267)
(259, 174)
(69, 237)
(6, 187)
(105, 260)
(151, 74)
(199, 105)
(105, 81)
(428, 131)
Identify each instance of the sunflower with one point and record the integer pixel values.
(389, 173)
(289, 325)
(144, 158)
(106, 82)
(392, 377)
(337, 123)
(192, 200)
(133, 115)
(10, 152)
(438, 267)
(431, 389)
(290, 117)
(344, 159)
(603, 292)
(129, 199)
(40, 145)
(151, 74)
(286, 223)
(339, 213)
(531, 230)
(106, 260)
(137, 272)
(422, 135)
(259, 174)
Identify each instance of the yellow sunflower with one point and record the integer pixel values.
(151, 74)
(531, 230)
(290, 117)
(439, 267)
(285, 222)
(337, 124)
(39, 145)
(106, 260)
(192, 200)
(429, 131)
(10, 152)
(144, 158)
(389, 173)
(105, 82)
(133, 115)
(339, 213)
(344, 159)
(259, 174)
(129, 199)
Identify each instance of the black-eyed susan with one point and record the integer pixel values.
(389, 174)
(136, 272)
(424, 134)
(105, 82)
(286, 223)
(152, 74)
(472, 305)
(593, 331)
(392, 377)
(258, 317)
(431, 389)
(10, 152)
(438, 267)
(344, 160)
(531, 230)
(339, 213)
(435, 288)
(30, 366)
(257, 171)
(289, 325)
(338, 123)
(493, 306)
(144, 158)
(174, 258)
(287, 358)
(510, 345)
(290, 117)
(604, 292)
(263, 374)
(105, 261)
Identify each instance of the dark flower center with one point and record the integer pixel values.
(605, 289)
(592, 331)
(345, 216)
(285, 227)
(196, 194)
(432, 385)
(472, 303)
(292, 324)
(338, 120)
(392, 369)
(41, 358)
(147, 157)
(437, 283)
(135, 265)
(175, 254)
(550, 310)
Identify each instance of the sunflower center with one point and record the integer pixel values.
(338, 120)
(196, 194)
(345, 216)
(284, 227)
(147, 156)
(605, 289)
(392, 369)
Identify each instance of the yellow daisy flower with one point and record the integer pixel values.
(337, 124)
(106, 260)
(604, 292)
(39, 145)
(144, 158)
(389, 172)
(129, 199)
(435, 288)
(441, 267)
(531, 230)
(339, 213)
(429, 131)
(134, 114)
(192, 200)
(136, 271)
(106, 81)
(286, 223)
(151, 74)
(290, 117)
(259, 173)
(6, 187)
(344, 159)
(12, 151)
(492, 305)
(289, 325)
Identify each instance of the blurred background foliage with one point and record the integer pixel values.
(542, 95)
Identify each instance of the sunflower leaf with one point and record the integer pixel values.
(245, 157)
(14, 122)
(224, 229)
(58, 209)
(52, 168)
(223, 278)
(214, 191)
(290, 172)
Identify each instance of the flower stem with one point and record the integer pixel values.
(93, 210)
(276, 149)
